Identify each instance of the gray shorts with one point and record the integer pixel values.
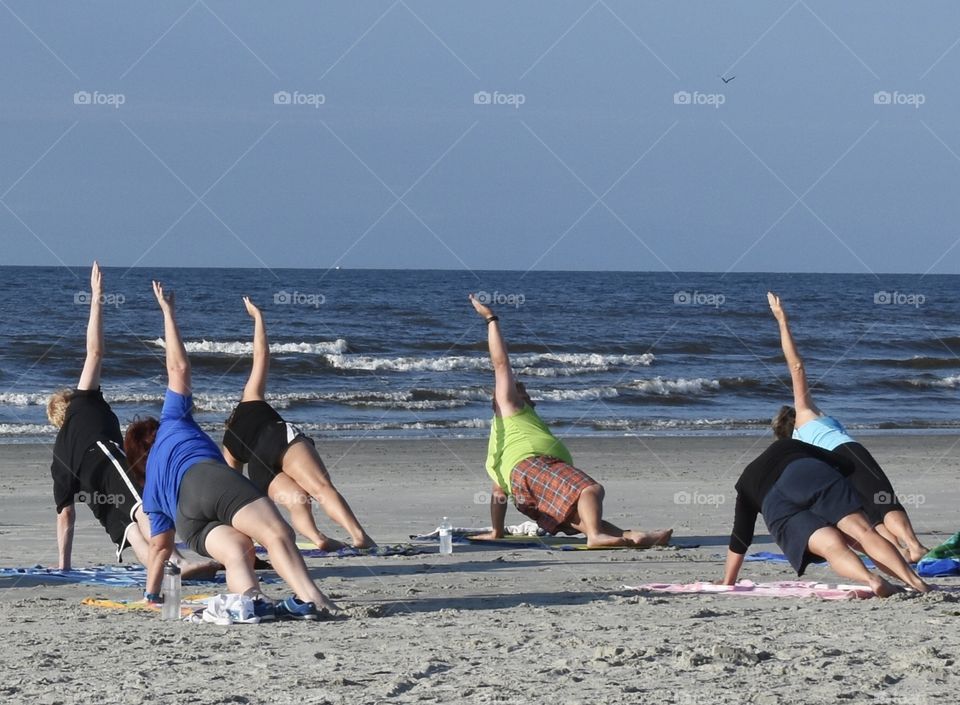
(211, 493)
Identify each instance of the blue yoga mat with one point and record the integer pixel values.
(114, 576)
(767, 557)
(107, 575)
(938, 567)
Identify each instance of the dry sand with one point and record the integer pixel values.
(498, 625)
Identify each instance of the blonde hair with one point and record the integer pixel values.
(57, 406)
(784, 422)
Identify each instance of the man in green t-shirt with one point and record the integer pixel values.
(527, 462)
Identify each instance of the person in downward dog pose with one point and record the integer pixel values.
(89, 462)
(527, 462)
(281, 461)
(805, 422)
(217, 511)
(811, 510)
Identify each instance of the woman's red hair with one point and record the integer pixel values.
(141, 433)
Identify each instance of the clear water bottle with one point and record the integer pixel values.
(446, 537)
(171, 592)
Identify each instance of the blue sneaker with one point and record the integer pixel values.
(292, 608)
(264, 609)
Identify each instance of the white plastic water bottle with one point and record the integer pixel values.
(171, 592)
(446, 537)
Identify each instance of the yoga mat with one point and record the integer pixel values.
(767, 557)
(938, 567)
(188, 605)
(556, 543)
(107, 575)
(114, 576)
(309, 550)
(746, 588)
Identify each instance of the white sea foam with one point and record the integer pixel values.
(670, 387)
(574, 394)
(951, 382)
(570, 363)
(27, 429)
(24, 398)
(245, 348)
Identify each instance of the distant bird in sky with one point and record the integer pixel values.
(727, 80)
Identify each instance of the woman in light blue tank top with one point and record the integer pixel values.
(805, 422)
(824, 432)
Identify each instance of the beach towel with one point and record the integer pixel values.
(309, 550)
(461, 534)
(114, 576)
(938, 567)
(189, 605)
(125, 576)
(746, 588)
(107, 575)
(553, 543)
(948, 549)
(767, 557)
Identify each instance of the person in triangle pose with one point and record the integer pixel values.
(531, 465)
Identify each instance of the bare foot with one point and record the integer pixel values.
(606, 540)
(645, 539)
(329, 545)
(328, 605)
(200, 571)
(881, 588)
(915, 554)
(365, 542)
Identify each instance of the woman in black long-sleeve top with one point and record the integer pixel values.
(811, 510)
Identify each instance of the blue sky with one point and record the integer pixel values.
(389, 159)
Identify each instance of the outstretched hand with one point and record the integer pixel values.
(96, 281)
(776, 307)
(481, 308)
(164, 299)
(252, 309)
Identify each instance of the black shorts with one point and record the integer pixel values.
(870, 482)
(211, 493)
(266, 460)
(808, 496)
(109, 491)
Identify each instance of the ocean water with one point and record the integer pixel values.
(359, 353)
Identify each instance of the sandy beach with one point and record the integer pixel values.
(504, 624)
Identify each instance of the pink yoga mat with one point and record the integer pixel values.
(787, 588)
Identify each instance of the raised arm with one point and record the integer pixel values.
(257, 384)
(506, 395)
(90, 376)
(178, 364)
(802, 399)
